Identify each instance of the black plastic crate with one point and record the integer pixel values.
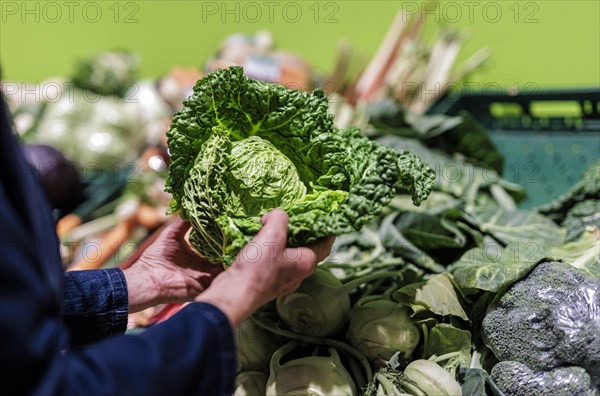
(545, 153)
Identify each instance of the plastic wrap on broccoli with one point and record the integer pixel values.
(516, 379)
(547, 319)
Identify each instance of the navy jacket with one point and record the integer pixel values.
(192, 353)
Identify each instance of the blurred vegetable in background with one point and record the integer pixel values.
(108, 73)
(59, 177)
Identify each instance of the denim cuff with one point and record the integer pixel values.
(95, 304)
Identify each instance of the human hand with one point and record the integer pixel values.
(264, 270)
(168, 271)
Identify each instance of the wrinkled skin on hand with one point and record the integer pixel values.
(168, 271)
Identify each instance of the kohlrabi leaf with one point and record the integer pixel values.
(394, 241)
(242, 147)
(518, 226)
(436, 294)
(491, 267)
(430, 232)
(583, 253)
(470, 139)
(444, 338)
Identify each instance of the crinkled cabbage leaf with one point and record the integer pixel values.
(242, 147)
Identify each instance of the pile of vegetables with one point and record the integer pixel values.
(463, 295)
(95, 140)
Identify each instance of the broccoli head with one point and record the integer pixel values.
(516, 379)
(548, 319)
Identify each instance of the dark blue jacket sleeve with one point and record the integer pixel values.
(192, 353)
(95, 304)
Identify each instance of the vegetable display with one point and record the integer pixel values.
(464, 295)
(437, 284)
(241, 147)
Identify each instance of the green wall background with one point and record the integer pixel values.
(553, 43)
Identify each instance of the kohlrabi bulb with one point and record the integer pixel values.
(379, 328)
(320, 307)
(250, 383)
(431, 378)
(311, 375)
(255, 346)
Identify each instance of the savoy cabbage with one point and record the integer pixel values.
(241, 147)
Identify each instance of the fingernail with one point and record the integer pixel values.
(264, 218)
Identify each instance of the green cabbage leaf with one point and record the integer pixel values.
(242, 147)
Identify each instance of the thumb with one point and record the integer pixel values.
(274, 229)
(177, 229)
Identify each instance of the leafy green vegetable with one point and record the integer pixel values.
(518, 226)
(430, 232)
(441, 233)
(474, 381)
(437, 295)
(108, 73)
(444, 338)
(583, 254)
(394, 241)
(492, 267)
(389, 117)
(241, 147)
(452, 134)
(472, 140)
